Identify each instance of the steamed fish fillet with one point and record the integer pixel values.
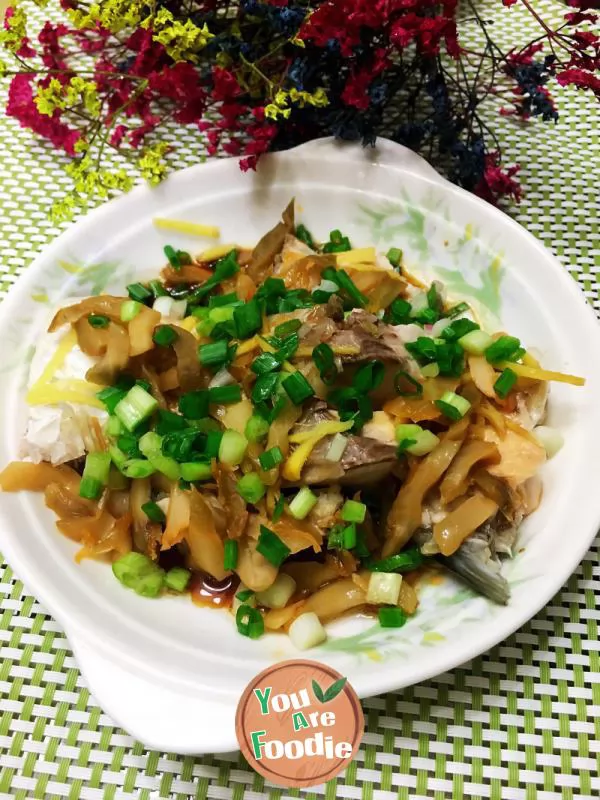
(58, 432)
(477, 561)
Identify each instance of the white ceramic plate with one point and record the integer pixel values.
(171, 673)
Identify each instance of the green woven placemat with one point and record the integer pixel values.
(518, 723)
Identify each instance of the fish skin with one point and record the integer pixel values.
(475, 562)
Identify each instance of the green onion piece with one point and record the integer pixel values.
(98, 321)
(249, 622)
(427, 316)
(337, 243)
(230, 557)
(180, 444)
(297, 388)
(278, 509)
(450, 358)
(334, 539)
(225, 268)
(459, 328)
(177, 579)
(222, 316)
(138, 572)
(453, 405)
(342, 537)
(213, 354)
(113, 426)
(406, 385)
(168, 422)
(399, 312)
(369, 377)
(304, 235)
(118, 457)
(266, 362)
(201, 313)
(195, 471)
(137, 468)
(271, 547)
(95, 475)
(434, 299)
(272, 288)
(158, 290)
(349, 537)
(360, 549)
(194, 405)
(287, 347)
(351, 406)
(111, 396)
(225, 394)
(406, 561)
(154, 512)
(220, 300)
(457, 310)
(505, 382)
(150, 445)
(287, 328)
(247, 319)
(303, 503)
(415, 440)
(264, 387)
(353, 511)
(503, 349)
(130, 309)
(232, 448)
(172, 255)
(271, 458)
(165, 335)
(424, 349)
(324, 360)
(129, 445)
(293, 300)
(430, 371)
(244, 595)
(251, 488)
(271, 414)
(347, 285)
(256, 428)
(394, 256)
(391, 617)
(135, 407)
(213, 442)
(139, 292)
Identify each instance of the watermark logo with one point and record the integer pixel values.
(299, 723)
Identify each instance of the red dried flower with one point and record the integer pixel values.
(496, 182)
(580, 79)
(22, 107)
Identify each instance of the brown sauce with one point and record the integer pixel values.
(208, 592)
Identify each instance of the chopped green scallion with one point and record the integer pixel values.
(98, 321)
(505, 382)
(271, 547)
(154, 512)
(251, 488)
(390, 617)
(165, 335)
(271, 458)
(230, 557)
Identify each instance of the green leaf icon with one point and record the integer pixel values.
(329, 694)
(318, 692)
(335, 688)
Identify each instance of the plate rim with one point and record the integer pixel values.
(383, 679)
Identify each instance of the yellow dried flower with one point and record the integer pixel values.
(181, 40)
(151, 165)
(15, 30)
